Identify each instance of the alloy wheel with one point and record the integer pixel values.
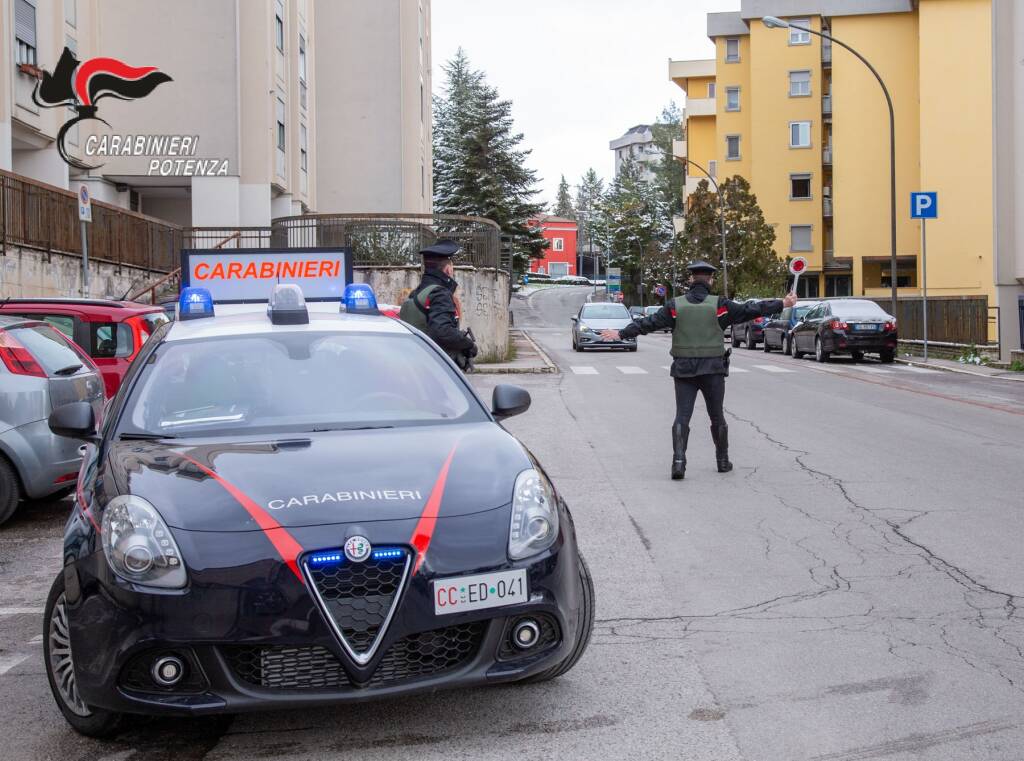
(62, 661)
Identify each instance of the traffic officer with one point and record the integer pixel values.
(700, 360)
(431, 305)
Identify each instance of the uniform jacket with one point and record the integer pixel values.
(442, 317)
(729, 313)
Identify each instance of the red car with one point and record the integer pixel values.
(111, 332)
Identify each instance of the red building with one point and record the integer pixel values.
(560, 255)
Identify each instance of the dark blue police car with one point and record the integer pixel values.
(288, 506)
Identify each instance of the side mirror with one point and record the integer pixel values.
(75, 420)
(508, 400)
(574, 318)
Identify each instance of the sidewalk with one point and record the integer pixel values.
(953, 366)
(529, 358)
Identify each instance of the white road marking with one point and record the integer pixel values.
(36, 640)
(630, 370)
(869, 369)
(913, 369)
(584, 370)
(19, 611)
(666, 367)
(774, 369)
(8, 662)
(737, 370)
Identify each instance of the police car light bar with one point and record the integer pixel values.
(194, 304)
(287, 305)
(359, 299)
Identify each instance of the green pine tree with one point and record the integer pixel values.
(563, 202)
(669, 172)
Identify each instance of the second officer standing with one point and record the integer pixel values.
(700, 361)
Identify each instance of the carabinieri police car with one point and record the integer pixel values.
(289, 505)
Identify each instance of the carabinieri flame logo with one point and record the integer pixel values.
(80, 85)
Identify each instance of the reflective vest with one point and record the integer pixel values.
(697, 333)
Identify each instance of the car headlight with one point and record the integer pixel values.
(138, 545)
(585, 328)
(534, 516)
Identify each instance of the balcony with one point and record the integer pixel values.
(679, 149)
(826, 207)
(826, 53)
(826, 104)
(826, 155)
(700, 107)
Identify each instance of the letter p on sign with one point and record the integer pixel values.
(924, 205)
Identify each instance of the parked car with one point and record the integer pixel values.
(654, 309)
(111, 332)
(845, 326)
(40, 370)
(595, 317)
(637, 313)
(776, 329)
(750, 332)
(573, 280)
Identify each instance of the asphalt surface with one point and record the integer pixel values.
(850, 591)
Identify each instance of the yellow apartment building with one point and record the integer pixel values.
(806, 123)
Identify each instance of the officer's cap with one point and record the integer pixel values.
(702, 267)
(443, 247)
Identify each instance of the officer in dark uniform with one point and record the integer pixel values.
(435, 296)
(700, 360)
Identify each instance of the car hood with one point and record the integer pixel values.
(322, 478)
(615, 323)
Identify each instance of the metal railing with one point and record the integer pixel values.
(826, 206)
(952, 319)
(826, 104)
(826, 52)
(36, 215)
(226, 237)
(826, 155)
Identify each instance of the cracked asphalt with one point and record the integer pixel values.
(852, 590)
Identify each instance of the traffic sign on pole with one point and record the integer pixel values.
(924, 206)
(796, 268)
(84, 217)
(613, 280)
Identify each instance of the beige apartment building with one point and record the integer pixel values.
(275, 108)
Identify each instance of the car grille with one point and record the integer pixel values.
(359, 597)
(314, 667)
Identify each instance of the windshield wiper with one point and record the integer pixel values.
(131, 436)
(69, 370)
(349, 428)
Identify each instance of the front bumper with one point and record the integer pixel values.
(594, 340)
(253, 638)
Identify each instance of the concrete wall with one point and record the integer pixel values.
(484, 299)
(25, 272)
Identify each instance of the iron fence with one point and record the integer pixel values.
(951, 319)
(226, 237)
(392, 239)
(44, 217)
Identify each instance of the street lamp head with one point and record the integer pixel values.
(774, 22)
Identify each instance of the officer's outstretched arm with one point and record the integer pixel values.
(660, 320)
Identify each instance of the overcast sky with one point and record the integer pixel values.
(578, 72)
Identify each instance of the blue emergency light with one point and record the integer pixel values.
(195, 303)
(359, 299)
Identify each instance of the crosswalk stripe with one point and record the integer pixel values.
(630, 370)
(19, 611)
(8, 662)
(738, 370)
(584, 370)
(773, 369)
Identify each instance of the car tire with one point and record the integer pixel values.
(785, 345)
(633, 348)
(84, 719)
(887, 357)
(10, 490)
(586, 627)
(749, 341)
(793, 351)
(858, 356)
(737, 342)
(764, 345)
(819, 351)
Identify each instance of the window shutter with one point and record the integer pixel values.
(25, 21)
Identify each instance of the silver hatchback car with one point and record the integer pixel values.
(40, 369)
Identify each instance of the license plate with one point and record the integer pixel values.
(868, 328)
(488, 590)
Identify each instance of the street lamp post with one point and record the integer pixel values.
(773, 22)
(721, 214)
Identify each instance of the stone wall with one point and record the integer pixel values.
(483, 293)
(27, 272)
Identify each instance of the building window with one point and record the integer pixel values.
(71, 12)
(838, 285)
(799, 187)
(799, 134)
(732, 147)
(799, 83)
(423, 100)
(732, 99)
(302, 58)
(713, 168)
(25, 31)
(732, 50)
(711, 89)
(808, 287)
(798, 36)
(303, 148)
(800, 238)
(558, 244)
(280, 125)
(279, 26)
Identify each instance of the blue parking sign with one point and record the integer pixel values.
(924, 205)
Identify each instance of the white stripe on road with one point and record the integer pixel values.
(869, 369)
(36, 640)
(913, 369)
(630, 370)
(20, 611)
(584, 370)
(773, 369)
(739, 370)
(8, 662)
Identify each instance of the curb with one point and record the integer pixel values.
(504, 369)
(549, 366)
(944, 368)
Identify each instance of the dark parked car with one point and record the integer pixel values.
(40, 370)
(637, 313)
(750, 332)
(595, 317)
(654, 309)
(845, 326)
(777, 328)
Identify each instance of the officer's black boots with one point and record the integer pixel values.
(720, 435)
(680, 436)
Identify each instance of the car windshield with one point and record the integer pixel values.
(295, 381)
(652, 310)
(605, 312)
(856, 308)
(800, 311)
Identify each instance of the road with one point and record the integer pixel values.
(850, 591)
